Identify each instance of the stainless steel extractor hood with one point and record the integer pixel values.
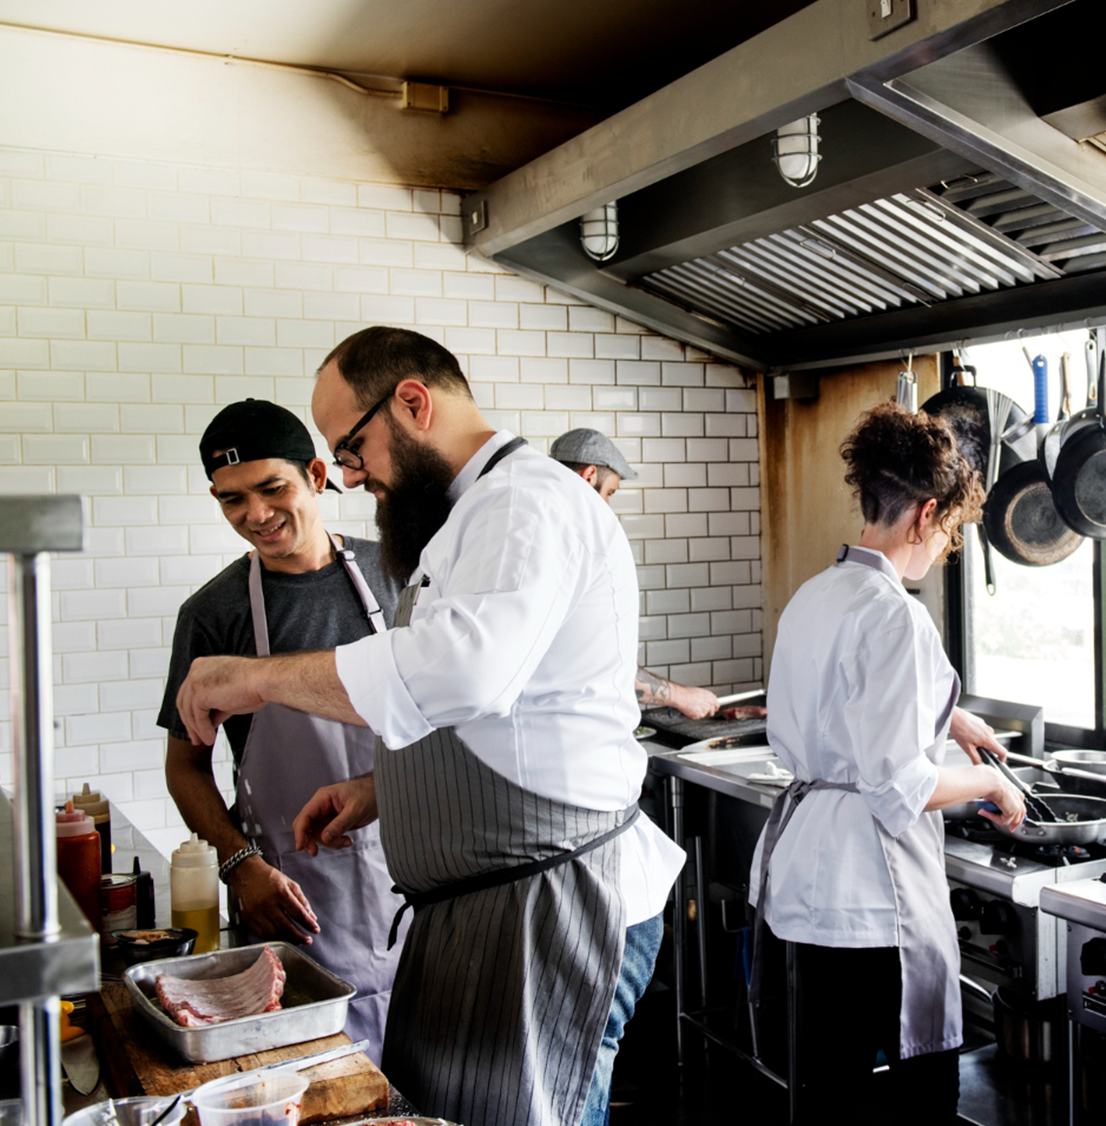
(961, 194)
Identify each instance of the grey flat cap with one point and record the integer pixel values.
(589, 447)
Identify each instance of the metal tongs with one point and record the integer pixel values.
(1037, 809)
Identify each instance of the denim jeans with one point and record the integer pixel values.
(643, 940)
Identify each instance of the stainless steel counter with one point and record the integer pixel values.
(729, 778)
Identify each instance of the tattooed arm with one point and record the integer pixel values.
(654, 691)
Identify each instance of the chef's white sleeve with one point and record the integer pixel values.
(482, 627)
(891, 711)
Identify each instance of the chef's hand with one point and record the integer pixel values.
(971, 732)
(1008, 798)
(746, 711)
(272, 905)
(695, 703)
(335, 811)
(215, 688)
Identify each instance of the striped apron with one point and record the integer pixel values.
(510, 965)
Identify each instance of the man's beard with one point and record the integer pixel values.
(414, 506)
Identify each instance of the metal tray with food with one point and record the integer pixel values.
(313, 1004)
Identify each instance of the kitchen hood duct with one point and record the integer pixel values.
(952, 200)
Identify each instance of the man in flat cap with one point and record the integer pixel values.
(299, 588)
(599, 461)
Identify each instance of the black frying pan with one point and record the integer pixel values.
(992, 432)
(1019, 515)
(1079, 481)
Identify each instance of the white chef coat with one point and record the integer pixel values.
(525, 643)
(861, 692)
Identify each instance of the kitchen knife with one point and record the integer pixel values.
(737, 697)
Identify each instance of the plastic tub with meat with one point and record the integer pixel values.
(314, 1003)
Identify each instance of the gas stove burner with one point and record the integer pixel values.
(1056, 854)
(977, 829)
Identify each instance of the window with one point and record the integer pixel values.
(1034, 640)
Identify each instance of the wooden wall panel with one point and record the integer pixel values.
(807, 511)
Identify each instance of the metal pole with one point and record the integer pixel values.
(36, 890)
(679, 913)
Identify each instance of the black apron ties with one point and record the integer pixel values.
(501, 876)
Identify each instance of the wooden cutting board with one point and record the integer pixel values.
(140, 1065)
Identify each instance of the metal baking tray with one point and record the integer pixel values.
(314, 1003)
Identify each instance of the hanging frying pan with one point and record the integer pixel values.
(1019, 515)
(970, 410)
(1089, 415)
(1079, 483)
(993, 434)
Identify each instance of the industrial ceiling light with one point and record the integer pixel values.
(795, 151)
(599, 232)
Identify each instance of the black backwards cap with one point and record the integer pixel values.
(253, 430)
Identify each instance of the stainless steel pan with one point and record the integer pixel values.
(1088, 827)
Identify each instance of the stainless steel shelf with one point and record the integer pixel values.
(31, 970)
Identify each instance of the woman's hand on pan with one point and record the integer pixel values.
(970, 732)
(1008, 798)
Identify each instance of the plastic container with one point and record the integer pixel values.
(78, 846)
(258, 1098)
(194, 892)
(139, 1111)
(98, 808)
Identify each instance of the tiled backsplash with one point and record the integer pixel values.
(138, 298)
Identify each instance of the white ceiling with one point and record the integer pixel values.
(601, 53)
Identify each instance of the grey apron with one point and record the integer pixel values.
(288, 755)
(510, 966)
(931, 1017)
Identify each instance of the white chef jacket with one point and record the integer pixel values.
(525, 643)
(860, 691)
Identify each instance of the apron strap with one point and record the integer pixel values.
(500, 876)
(346, 556)
(257, 608)
(505, 450)
(409, 596)
(783, 808)
(368, 600)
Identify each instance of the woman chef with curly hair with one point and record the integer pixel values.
(861, 699)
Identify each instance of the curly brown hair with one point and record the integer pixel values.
(897, 460)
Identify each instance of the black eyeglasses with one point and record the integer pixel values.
(344, 457)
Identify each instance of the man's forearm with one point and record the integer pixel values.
(307, 682)
(652, 690)
(219, 687)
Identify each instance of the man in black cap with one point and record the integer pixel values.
(299, 588)
(599, 461)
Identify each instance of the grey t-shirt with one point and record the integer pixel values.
(316, 610)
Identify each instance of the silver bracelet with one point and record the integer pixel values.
(230, 864)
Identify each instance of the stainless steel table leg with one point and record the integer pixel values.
(701, 920)
(792, 1034)
(679, 911)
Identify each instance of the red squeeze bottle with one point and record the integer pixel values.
(78, 846)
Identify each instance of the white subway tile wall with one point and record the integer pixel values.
(138, 298)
